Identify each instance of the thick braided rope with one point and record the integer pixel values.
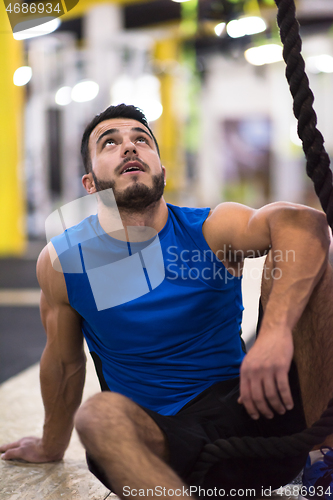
(317, 159)
(318, 169)
(259, 447)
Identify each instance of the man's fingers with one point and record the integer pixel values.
(246, 398)
(272, 395)
(8, 446)
(263, 395)
(282, 382)
(13, 454)
(259, 400)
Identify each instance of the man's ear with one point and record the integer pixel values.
(88, 183)
(164, 172)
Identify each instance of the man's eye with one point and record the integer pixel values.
(109, 141)
(141, 139)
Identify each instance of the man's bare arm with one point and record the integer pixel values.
(62, 370)
(298, 238)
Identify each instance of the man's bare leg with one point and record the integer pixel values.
(313, 343)
(126, 444)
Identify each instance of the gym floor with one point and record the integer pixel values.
(22, 340)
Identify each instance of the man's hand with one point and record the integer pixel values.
(29, 449)
(264, 383)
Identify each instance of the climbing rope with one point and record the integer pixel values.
(259, 447)
(318, 169)
(317, 159)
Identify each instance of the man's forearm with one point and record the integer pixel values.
(298, 239)
(298, 256)
(61, 387)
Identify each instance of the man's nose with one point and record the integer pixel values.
(128, 148)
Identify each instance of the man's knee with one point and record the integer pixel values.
(110, 416)
(104, 410)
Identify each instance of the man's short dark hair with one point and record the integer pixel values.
(119, 111)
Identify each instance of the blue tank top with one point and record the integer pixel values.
(168, 345)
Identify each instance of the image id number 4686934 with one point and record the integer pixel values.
(305, 491)
(34, 8)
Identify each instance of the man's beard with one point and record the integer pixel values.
(136, 197)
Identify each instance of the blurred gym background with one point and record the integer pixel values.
(210, 77)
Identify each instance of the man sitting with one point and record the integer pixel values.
(170, 361)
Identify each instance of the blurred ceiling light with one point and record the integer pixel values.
(85, 91)
(143, 92)
(151, 108)
(245, 26)
(265, 54)
(47, 27)
(63, 96)
(122, 89)
(320, 64)
(22, 76)
(148, 86)
(219, 28)
(180, 1)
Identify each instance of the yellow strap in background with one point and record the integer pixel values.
(12, 205)
(168, 127)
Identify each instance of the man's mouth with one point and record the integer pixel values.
(131, 167)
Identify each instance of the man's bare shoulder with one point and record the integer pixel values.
(50, 276)
(244, 228)
(239, 211)
(224, 221)
(230, 209)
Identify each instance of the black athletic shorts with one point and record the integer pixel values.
(216, 414)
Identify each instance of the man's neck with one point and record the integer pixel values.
(154, 216)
